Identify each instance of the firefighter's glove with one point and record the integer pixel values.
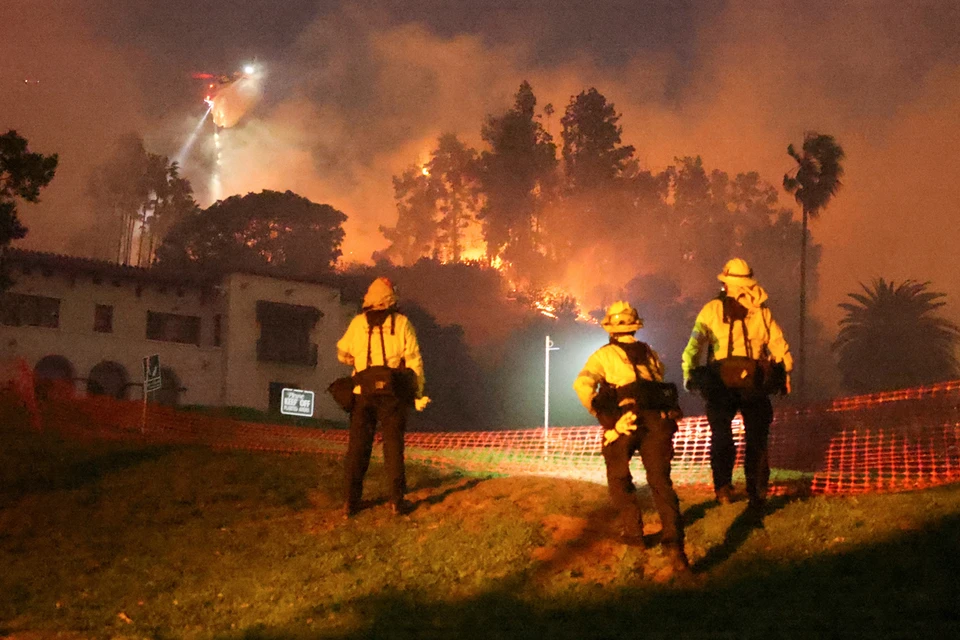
(421, 403)
(688, 383)
(626, 424)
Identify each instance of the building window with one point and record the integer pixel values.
(217, 329)
(285, 333)
(103, 318)
(171, 327)
(21, 310)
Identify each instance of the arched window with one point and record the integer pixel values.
(108, 379)
(53, 375)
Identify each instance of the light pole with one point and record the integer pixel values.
(547, 348)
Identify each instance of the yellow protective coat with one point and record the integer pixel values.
(710, 331)
(610, 363)
(400, 344)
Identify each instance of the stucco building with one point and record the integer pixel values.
(223, 340)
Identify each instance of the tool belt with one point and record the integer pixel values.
(386, 381)
(649, 395)
(737, 372)
(645, 396)
(341, 390)
(605, 402)
(741, 374)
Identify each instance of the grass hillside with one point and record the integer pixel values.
(107, 541)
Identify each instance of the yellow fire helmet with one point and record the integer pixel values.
(380, 295)
(737, 273)
(621, 318)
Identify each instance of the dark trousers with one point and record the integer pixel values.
(367, 413)
(653, 439)
(757, 412)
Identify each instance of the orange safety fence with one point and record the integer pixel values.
(874, 443)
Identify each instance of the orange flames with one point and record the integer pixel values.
(553, 301)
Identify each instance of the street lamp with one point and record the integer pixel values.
(547, 348)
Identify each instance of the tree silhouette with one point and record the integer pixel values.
(596, 197)
(817, 180)
(437, 203)
(514, 175)
(453, 170)
(282, 232)
(138, 195)
(172, 201)
(592, 153)
(22, 175)
(892, 337)
(413, 235)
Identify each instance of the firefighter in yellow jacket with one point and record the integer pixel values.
(747, 357)
(620, 386)
(382, 347)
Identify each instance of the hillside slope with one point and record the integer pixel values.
(106, 540)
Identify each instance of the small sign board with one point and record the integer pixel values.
(296, 402)
(151, 373)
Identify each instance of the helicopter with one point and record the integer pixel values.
(230, 97)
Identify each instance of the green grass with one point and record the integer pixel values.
(191, 543)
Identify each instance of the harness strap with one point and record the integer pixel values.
(766, 343)
(636, 369)
(728, 315)
(383, 345)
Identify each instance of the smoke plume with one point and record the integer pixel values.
(355, 94)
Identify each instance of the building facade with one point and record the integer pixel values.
(85, 326)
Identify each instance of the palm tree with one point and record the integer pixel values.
(816, 181)
(892, 338)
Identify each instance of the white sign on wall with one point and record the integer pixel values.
(296, 402)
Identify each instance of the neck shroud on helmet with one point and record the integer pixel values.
(380, 295)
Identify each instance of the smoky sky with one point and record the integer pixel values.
(357, 91)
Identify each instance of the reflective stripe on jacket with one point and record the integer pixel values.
(610, 363)
(710, 329)
(399, 343)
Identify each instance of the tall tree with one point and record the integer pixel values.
(138, 195)
(22, 175)
(597, 199)
(452, 170)
(514, 175)
(272, 230)
(119, 191)
(592, 151)
(892, 337)
(173, 200)
(437, 203)
(816, 181)
(413, 235)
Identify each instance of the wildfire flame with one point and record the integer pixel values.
(553, 302)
